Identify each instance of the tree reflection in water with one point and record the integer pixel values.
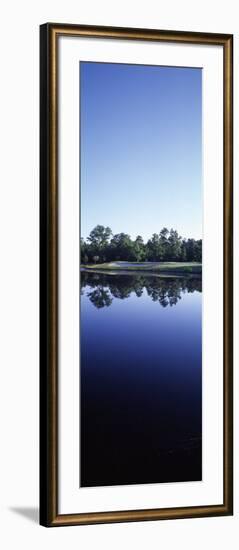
(165, 290)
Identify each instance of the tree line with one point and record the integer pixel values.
(102, 246)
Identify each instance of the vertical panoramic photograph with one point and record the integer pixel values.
(140, 274)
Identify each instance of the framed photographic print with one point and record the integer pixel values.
(136, 275)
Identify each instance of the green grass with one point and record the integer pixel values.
(163, 267)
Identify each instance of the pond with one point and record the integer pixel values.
(140, 373)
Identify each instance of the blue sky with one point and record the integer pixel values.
(141, 148)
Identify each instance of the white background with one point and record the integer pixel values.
(19, 274)
(210, 489)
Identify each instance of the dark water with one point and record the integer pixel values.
(140, 379)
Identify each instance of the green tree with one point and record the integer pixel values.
(183, 253)
(122, 247)
(198, 251)
(103, 246)
(174, 245)
(83, 250)
(99, 241)
(139, 249)
(154, 248)
(191, 250)
(99, 236)
(163, 239)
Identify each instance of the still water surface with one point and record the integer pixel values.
(140, 379)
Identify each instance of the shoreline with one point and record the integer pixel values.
(159, 272)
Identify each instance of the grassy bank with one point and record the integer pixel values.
(153, 267)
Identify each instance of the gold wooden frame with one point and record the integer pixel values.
(49, 516)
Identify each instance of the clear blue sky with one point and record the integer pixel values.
(141, 165)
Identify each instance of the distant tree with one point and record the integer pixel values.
(139, 249)
(96, 259)
(154, 249)
(103, 246)
(183, 252)
(99, 236)
(191, 249)
(98, 242)
(163, 239)
(83, 248)
(122, 247)
(198, 251)
(174, 245)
